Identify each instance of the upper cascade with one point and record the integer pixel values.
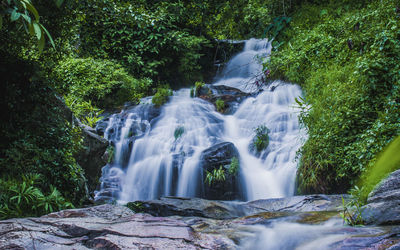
(158, 152)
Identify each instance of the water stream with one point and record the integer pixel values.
(150, 160)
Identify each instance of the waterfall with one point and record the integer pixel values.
(158, 154)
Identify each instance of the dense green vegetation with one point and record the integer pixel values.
(98, 54)
(345, 55)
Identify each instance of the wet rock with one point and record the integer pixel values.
(91, 157)
(232, 97)
(383, 204)
(170, 206)
(106, 226)
(218, 157)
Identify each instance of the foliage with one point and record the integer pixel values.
(345, 56)
(197, 88)
(146, 39)
(234, 166)
(261, 139)
(220, 104)
(387, 162)
(111, 153)
(24, 12)
(101, 82)
(25, 198)
(36, 135)
(277, 25)
(353, 208)
(135, 206)
(217, 175)
(179, 132)
(161, 96)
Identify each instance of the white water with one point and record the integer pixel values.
(158, 164)
(288, 235)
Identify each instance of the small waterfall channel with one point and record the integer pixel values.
(157, 151)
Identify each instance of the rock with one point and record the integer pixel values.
(105, 227)
(383, 204)
(232, 97)
(170, 206)
(213, 158)
(91, 157)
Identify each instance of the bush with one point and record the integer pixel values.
(179, 132)
(220, 105)
(161, 96)
(234, 166)
(197, 88)
(261, 139)
(100, 83)
(37, 137)
(345, 56)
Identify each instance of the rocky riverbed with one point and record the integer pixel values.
(182, 223)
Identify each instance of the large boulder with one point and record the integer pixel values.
(218, 157)
(90, 158)
(383, 204)
(231, 97)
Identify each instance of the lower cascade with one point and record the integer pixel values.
(175, 149)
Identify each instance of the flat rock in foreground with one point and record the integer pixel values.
(104, 227)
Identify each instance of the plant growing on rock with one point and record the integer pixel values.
(197, 88)
(261, 139)
(161, 96)
(217, 175)
(234, 166)
(220, 104)
(135, 206)
(179, 132)
(352, 209)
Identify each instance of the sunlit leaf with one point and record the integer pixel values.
(37, 29)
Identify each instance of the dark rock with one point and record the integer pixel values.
(213, 158)
(91, 157)
(383, 204)
(170, 206)
(232, 97)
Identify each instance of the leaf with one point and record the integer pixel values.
(1, 22)
(48, 35)
(38, 31)
(41, 44)
(15, 15)
(27, 18)
(59, 3)
(31, 8)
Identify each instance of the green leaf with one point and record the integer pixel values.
(15, 15)
(32, 9)
(41, 44)
(31, 29)
(27, 18)
(59, 3)
(48, 35)
(1, 22)
(37, 29)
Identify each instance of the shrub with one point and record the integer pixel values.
(234, 166)
(217, 175)
(161, 96)
(261, 139)
(345, 55)
(197, 88)
(220, 105)
(100, 83)
(179, 132)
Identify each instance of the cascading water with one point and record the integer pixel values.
(161, 156)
